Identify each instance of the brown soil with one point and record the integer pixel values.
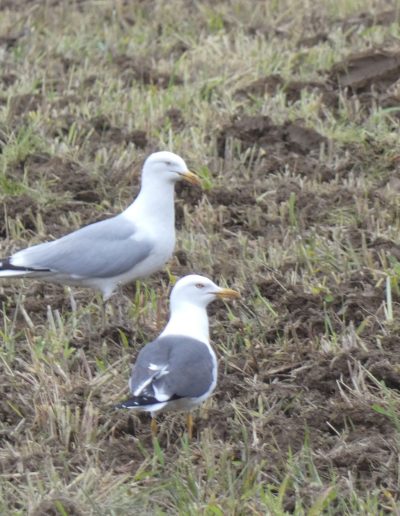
(304, 383)
(307, 387)
(351, 25)
(293, 89)
(134, 70)
(371, 77)
(360, 71)
(260, 131)
(106, 131)
(175, 118)
(53, 506)
(368, 20)
(22, 104)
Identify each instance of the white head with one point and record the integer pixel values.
(198, 291)
(188, 301)
(167, 167)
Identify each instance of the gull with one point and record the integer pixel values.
(118, 250)
(178, 370)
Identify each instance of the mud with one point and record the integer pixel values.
(175, 118)
(345, 433)
(350, 26)
(362, 71)
(367, 19)
(369, 78)
(312, 392)
(260, 131)
(293, 90)
(107, 132)
(52, 507)
(22, 104)
(132, 70)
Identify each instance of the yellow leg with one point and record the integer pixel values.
(189, 423)
(154, 427)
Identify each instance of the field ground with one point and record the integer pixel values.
(289, 110)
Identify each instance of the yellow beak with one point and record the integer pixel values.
(191, 178)
(228, 293)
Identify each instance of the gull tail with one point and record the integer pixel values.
(144, 402)
(137, 402)
(7, 269)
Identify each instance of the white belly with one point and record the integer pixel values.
(161, 253)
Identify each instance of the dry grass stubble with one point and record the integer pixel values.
(289, 113)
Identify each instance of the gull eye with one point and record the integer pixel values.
(168, 163)
(199, 285)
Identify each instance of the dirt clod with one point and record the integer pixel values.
(293, 89)
(362, 71)
(299, 212)
(260, 131)
(138, 70)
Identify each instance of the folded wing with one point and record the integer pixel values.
(102, 250)
(172, 367)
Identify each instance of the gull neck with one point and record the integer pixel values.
(155, 201)
(189, 320)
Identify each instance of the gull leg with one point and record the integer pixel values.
(120, 305)
(104, 315)
(73, 308)
(153, 426)
(71, 299)
(189, 424)
(105, 306)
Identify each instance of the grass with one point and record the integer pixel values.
(305, 417)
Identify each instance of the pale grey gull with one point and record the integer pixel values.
(118, 250)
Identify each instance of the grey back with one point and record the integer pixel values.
(188, 362)
(104, 249)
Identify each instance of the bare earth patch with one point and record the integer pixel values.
(291, 118)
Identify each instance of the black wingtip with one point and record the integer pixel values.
(131, 403)
(137, 402)
(6, 265)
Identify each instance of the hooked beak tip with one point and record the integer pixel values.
(228, 293)
(190, 177)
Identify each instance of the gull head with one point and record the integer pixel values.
(200, 291)
(168, 167)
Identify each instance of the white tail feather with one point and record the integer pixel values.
(8, 273)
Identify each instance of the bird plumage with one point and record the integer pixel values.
(131, 245)
(178, 370)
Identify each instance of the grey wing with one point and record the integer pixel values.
(151, 361)
(104, 249)
(173, 366)
(191, 369)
